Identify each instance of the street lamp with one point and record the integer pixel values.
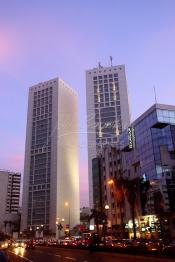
(110, 182)
(106, 207)
(42, 230)
(67, 205)
(59, 226)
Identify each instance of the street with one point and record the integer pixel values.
(49, 254)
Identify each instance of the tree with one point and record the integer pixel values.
(120, 200)
(144, 187)
(99, 218)
(5, 224)
(132, 190)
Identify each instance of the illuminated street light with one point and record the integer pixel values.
(111, 182)
(106, 207)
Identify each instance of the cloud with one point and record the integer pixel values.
(6, 46)
(12, 162)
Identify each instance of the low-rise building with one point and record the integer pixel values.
(10, 197)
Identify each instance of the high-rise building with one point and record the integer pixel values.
(9, 199)
(108, 111)
(51, 171)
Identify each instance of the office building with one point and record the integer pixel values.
(51, 171)
(149, 152)
(146, 150)
(9, 200)
(149, 146)
(107, 110)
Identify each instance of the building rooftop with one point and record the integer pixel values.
(151, 109)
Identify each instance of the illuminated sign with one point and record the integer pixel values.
(131, 137)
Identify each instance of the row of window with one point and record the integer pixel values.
(105, 76)
(106, 81)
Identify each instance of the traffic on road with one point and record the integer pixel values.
(35, 249)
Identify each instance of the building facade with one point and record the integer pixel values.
(146, 150)
(51, 171)
(149, 152)
(106, 194)
(107, 110)
(10, 198)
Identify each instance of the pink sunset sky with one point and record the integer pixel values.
(40, 40)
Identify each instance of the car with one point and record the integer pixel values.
(3, 244)
(30, 245)
(52, 243)
(19, 243)
(169, 249)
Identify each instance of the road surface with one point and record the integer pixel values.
(49, 254)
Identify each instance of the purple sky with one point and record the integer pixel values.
(40, 40)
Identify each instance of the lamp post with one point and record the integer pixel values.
(68, 206)
(42, 231)
(59, 226)
(107, 208)
(37, 232)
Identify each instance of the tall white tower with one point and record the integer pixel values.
(51, 170)
(108, 111)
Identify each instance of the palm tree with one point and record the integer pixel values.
(131, 190)
(144, 187)
(5, 224)
(99, 218)
(120, 200)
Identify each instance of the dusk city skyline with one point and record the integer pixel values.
(39, 41)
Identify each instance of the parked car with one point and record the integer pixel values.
(30, 244)
(169, 249)
(19, 243)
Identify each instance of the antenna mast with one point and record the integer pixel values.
(155, 97)
(111, 60)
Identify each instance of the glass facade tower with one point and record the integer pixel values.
(150, 151)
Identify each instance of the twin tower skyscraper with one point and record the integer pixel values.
(51, 170)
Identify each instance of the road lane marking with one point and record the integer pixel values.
(25, 258)
(57, 255)
(71, 258)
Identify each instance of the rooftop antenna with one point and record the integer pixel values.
(155, 97)
(111, 60)
(99, 65)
